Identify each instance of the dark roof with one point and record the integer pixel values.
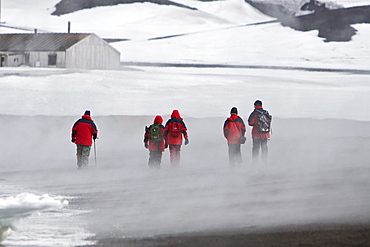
(39, 41)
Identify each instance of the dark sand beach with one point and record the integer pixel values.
(315, 236)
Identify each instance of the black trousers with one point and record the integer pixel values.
(235, 155)
(155, 159)
(259, 144)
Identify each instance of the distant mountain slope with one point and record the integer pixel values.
(333, 21)
(69, 6)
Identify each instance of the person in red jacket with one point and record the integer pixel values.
(175, 129)
(83, 131)
(259, 139)
(234, 131)
(154, 141)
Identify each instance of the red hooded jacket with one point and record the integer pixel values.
(155, 146)
(83, 130)
(234, 128)
(252, 121)
(175, 123)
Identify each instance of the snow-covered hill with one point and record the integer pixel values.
(218, 32)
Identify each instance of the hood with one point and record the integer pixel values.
(158, 120)
(233, 117)
(87, 117)
(176, 114)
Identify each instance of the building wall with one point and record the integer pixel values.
(10, 59)
(14, 60)
(41, 59)
(33, 59)
(92, 53)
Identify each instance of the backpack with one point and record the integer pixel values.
(155, 133)
(264, 122)
(175, 130)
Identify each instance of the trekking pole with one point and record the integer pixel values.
(95, 152)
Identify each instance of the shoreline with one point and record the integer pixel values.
(308, 235)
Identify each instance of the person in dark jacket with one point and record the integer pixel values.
(155, 142)
(259, 139)
(174, 131)
(83, 131)
(234, 131)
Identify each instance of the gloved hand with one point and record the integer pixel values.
(94, 136)
(186, 141)
(73, 140)
(165, 145)
(146, 145)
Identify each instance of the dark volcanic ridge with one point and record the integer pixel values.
(69, 6)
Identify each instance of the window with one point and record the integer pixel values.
(52, 59)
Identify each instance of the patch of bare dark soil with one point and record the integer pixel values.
(332, 24)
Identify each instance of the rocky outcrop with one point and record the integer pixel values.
(332, 24)
(69, 6)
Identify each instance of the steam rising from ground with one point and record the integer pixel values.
(317, 173)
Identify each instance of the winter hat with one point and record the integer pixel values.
(234, 110)
(258, 103)
(87, 112)
(176, 114)
(158, 119)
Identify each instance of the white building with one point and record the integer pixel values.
(57, 50)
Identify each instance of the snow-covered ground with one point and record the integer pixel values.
(318, 169)
(352, 3)
(195, 92)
